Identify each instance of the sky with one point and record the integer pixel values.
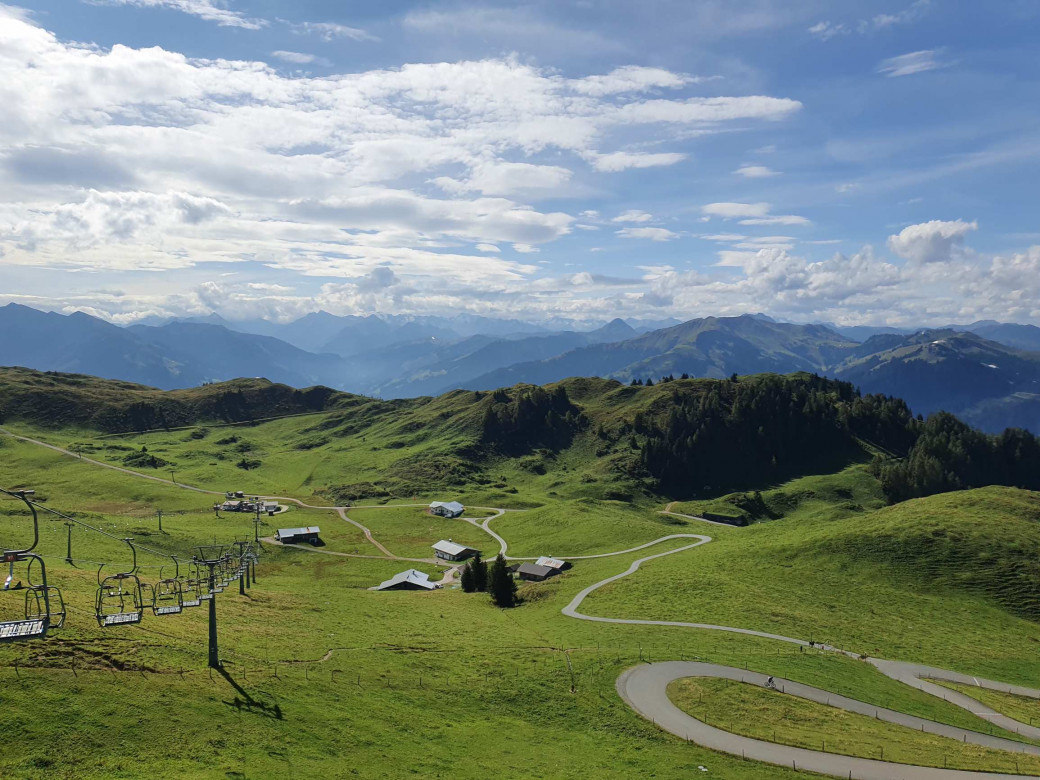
(867, 162)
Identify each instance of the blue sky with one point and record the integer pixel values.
(860, 162)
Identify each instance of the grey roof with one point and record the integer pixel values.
(536, 570)
(311, 529)
(451, 548)
(552, 563)
(412, 577)
(452, 506)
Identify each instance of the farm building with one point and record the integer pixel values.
(532, 572)
(450, 551)
(553, 563)
(298, 535)
(447, 509)
(411, 579)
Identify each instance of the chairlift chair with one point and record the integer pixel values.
(168, 594)
(191, 590)
(41, 613)
(197, 589)
(43, 600)
(119, 597)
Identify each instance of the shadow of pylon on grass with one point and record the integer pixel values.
(247, 702)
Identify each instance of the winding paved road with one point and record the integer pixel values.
(644, 688)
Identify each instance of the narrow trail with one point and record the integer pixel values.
(644, 687)
(368, 534)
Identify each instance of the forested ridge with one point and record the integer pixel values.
(758, 430)
(950, 455)
(676, 438)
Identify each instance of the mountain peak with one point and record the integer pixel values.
(617, 329)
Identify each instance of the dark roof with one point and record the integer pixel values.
(535, 570)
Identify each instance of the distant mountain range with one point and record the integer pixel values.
(987, 372)
(176, 355)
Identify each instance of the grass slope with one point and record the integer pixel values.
(768, 715)
(929, 579)
(1021, 708)
(334, 680)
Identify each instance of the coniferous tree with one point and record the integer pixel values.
(466, 580)
(479, 573)
(502, 585)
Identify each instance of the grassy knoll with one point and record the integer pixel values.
(585, 527)
(848, 492)
(925, 580)
(1021, 708)
(410, 531)
(768, 715)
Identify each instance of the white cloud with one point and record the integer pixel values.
(755, 172)
(630, 78)
(931, 242)
(209, 10)
(734, 210)
(825, 30)
(780, 219)
(909, 64)
(911, 13)
(633, 215)
(706, 110)
(220, 166)
(751, 214)
(509, 178)
(329, 31)
(299, 58)
(652, 233)
(621, 161)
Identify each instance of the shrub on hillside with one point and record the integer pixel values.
(144, 460)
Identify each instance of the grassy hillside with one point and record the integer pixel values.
(330, 679)
(772, 716)
(47, 399)
(582, 438)
(914, 581)
(326, 678)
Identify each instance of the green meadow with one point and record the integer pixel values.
(325, 678)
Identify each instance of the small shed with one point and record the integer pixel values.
(553, 563)
(412, 579)
(271, 507)
(532, 572)
(447, 509)
(298, 535)
(450, 551)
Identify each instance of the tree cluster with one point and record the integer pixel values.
(531, 417)
(950, 455)
(761, 429)
(502, 585)
(474, 576)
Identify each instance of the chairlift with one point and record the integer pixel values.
(43, 600)
(192, 590)
(119, 598)
(40, 612)
(168, 594)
